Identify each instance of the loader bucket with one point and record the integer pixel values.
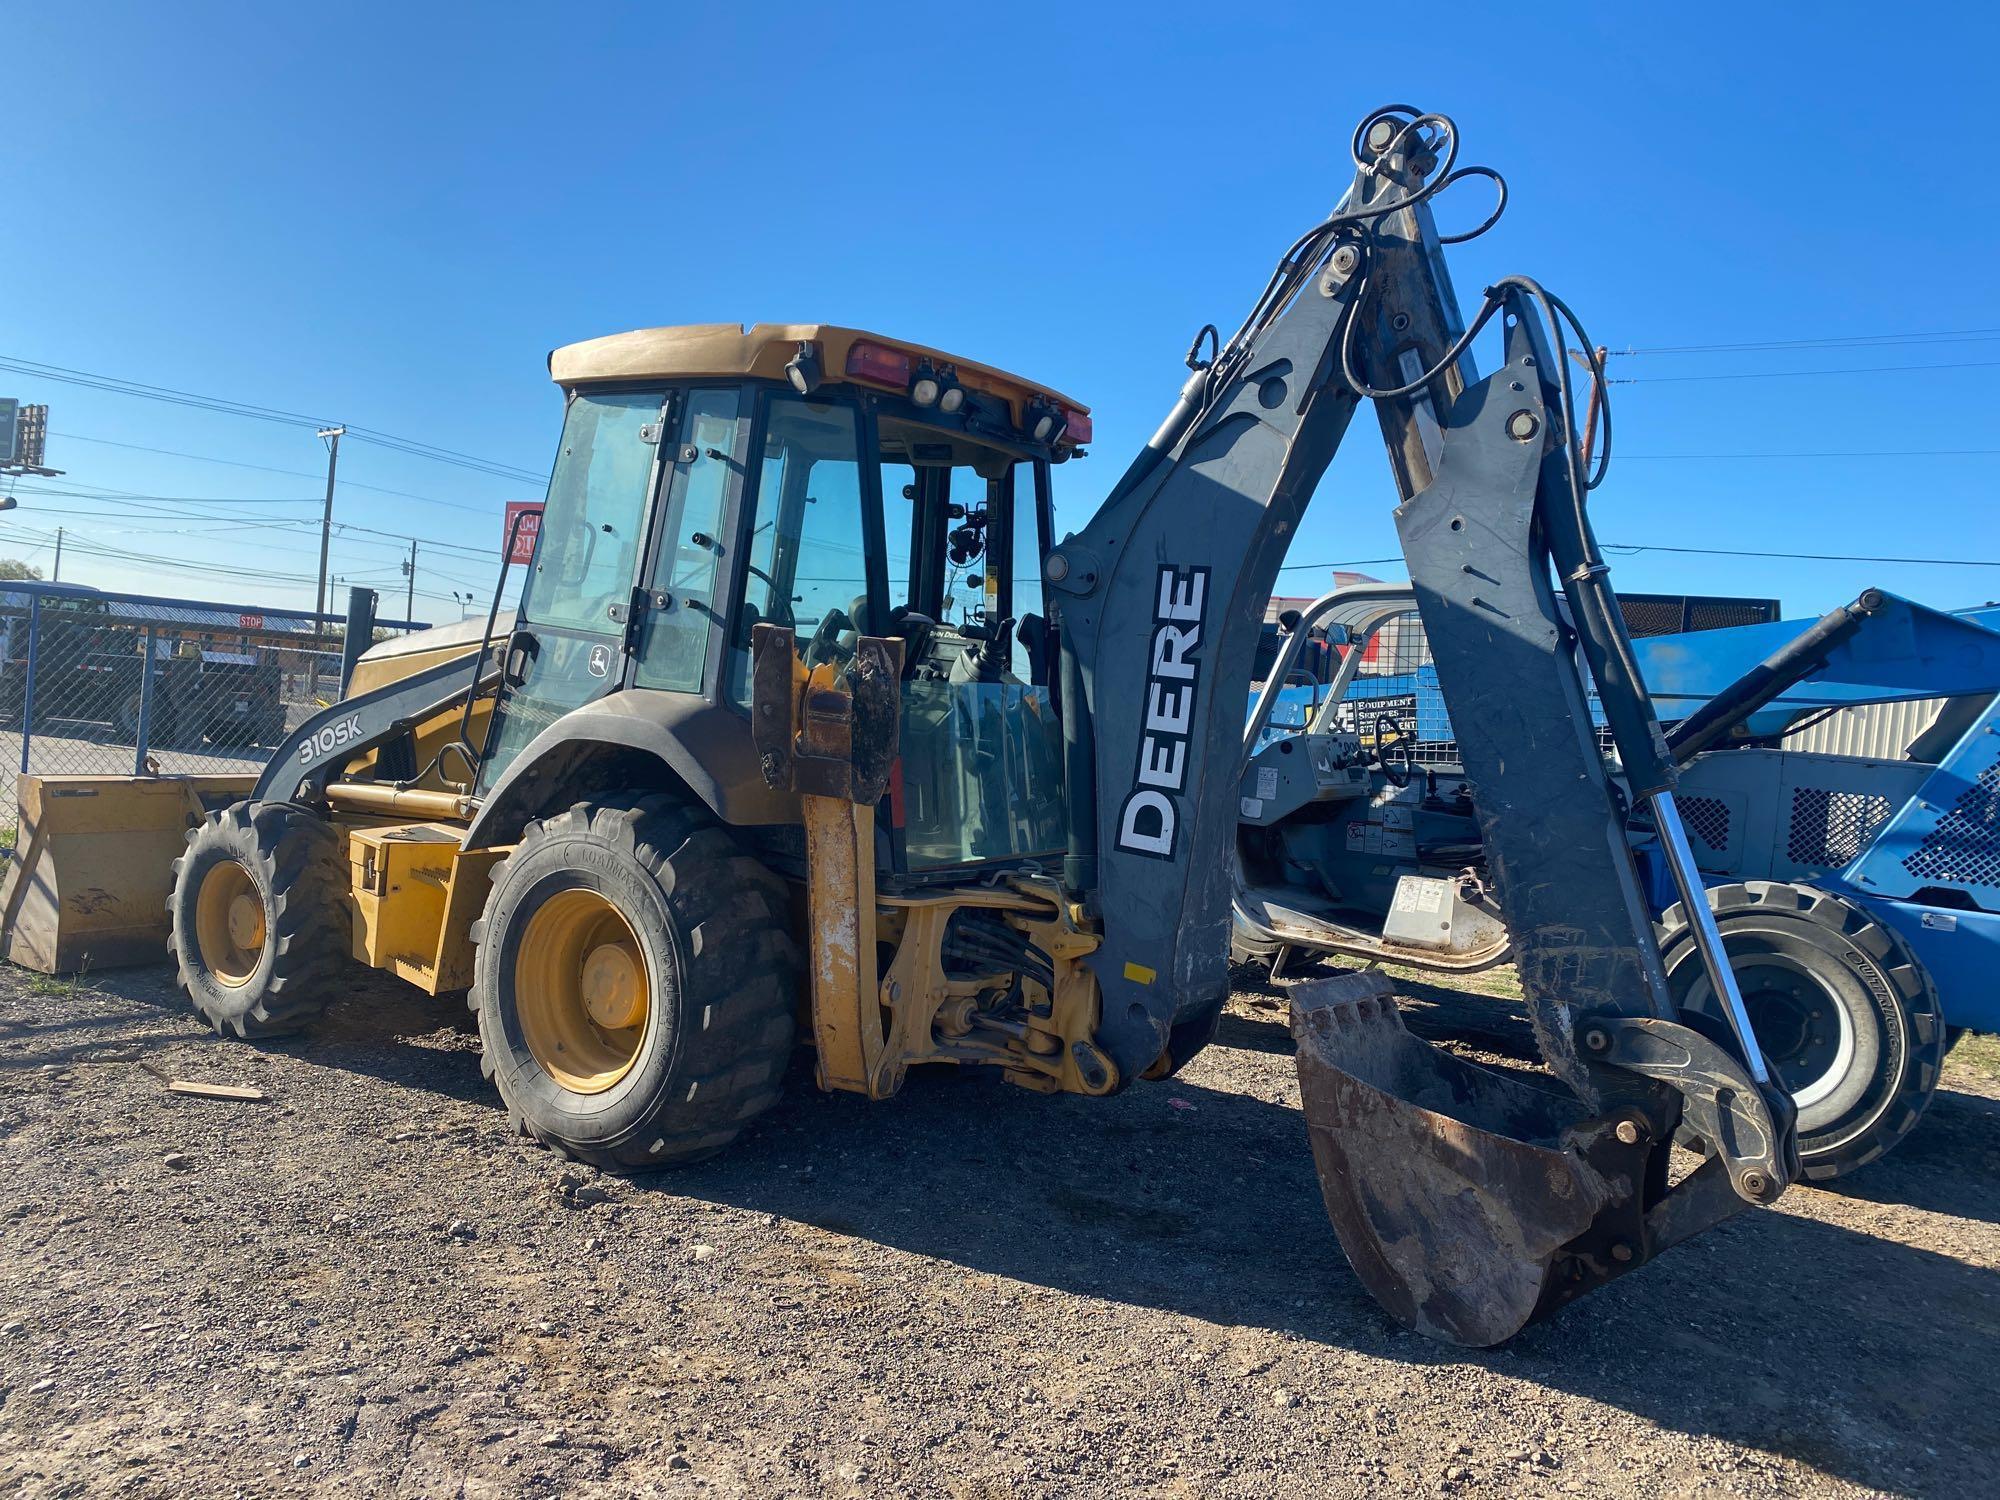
(1451, 1187)
(92, 864)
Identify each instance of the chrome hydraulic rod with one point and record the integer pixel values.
(1707, 937)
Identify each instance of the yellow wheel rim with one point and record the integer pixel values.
(229, 923)
(581, 991)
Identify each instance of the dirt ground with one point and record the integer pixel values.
(364, 1286)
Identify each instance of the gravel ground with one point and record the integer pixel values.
(363, 1285)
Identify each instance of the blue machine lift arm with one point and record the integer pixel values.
(1754, 681)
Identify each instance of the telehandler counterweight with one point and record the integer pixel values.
(802, 687)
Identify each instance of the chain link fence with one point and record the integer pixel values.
(127, 684)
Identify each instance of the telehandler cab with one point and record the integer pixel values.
(802, 683)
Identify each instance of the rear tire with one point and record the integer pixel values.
(1848, 1018)
(257, 918)
(635, 983)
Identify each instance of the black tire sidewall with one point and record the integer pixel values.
(1858, 983)
(591, 1122)
(221, 842)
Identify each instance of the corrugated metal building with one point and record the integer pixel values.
(1880, 731)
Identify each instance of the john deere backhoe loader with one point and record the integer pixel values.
(804, 701)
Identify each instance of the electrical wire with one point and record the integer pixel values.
(133, 497)
(119, 385)
(1836, 341)
(234, 463)
(1970, 364)
(1849, 557)
(1825, 453)
(95, 492)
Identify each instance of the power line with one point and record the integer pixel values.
(234, 463)
(235, 529)
(96, 492)
(110, 496)
(1633, 547)
(446, 456)
(1826, 453)
(1933, 562)
(97, 548)
(1335, 567)
(187, 566)
(1970, 364)
(119, 385)
(290, 528)
(1834, 341)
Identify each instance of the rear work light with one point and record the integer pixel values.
(1076, 427)
(879, 363)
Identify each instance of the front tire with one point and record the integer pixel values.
(634, 983)
(256, 918)
(1848, 1018)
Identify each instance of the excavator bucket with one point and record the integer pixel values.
(1460, 1195)
(92, 863)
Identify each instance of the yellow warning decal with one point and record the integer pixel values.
(1140, 974)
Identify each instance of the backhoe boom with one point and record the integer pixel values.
(1162, 601)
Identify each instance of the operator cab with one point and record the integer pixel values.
(832, 481)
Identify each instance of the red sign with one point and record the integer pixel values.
(250, 622)
(530, 528)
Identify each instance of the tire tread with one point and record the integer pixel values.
(741, 967)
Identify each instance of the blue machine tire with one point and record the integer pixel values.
(1849, 1019)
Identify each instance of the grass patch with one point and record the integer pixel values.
(1978, 1054)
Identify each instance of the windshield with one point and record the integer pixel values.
(569, 631)
(588, 552)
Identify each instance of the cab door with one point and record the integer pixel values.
(682, 604)
(574, 621)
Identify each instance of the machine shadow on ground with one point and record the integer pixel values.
(1200, 1200)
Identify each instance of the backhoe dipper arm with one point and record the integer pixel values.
(1162, 598)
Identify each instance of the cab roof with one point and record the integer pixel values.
(726, 349)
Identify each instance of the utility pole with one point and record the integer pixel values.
(1595, 367)
(55, 572)
(410, 567)
(331, 436)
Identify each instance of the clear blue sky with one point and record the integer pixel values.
(387, 215)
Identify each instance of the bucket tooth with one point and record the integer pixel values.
(1454, 1189)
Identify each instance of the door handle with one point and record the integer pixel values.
(522, 650)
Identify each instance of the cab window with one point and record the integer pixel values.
(982, 761)
(567, 638)
(807, 550)
(674, 650)
(1026, 540)
(595, 519)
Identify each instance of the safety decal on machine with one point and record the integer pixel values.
(1149, 819)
